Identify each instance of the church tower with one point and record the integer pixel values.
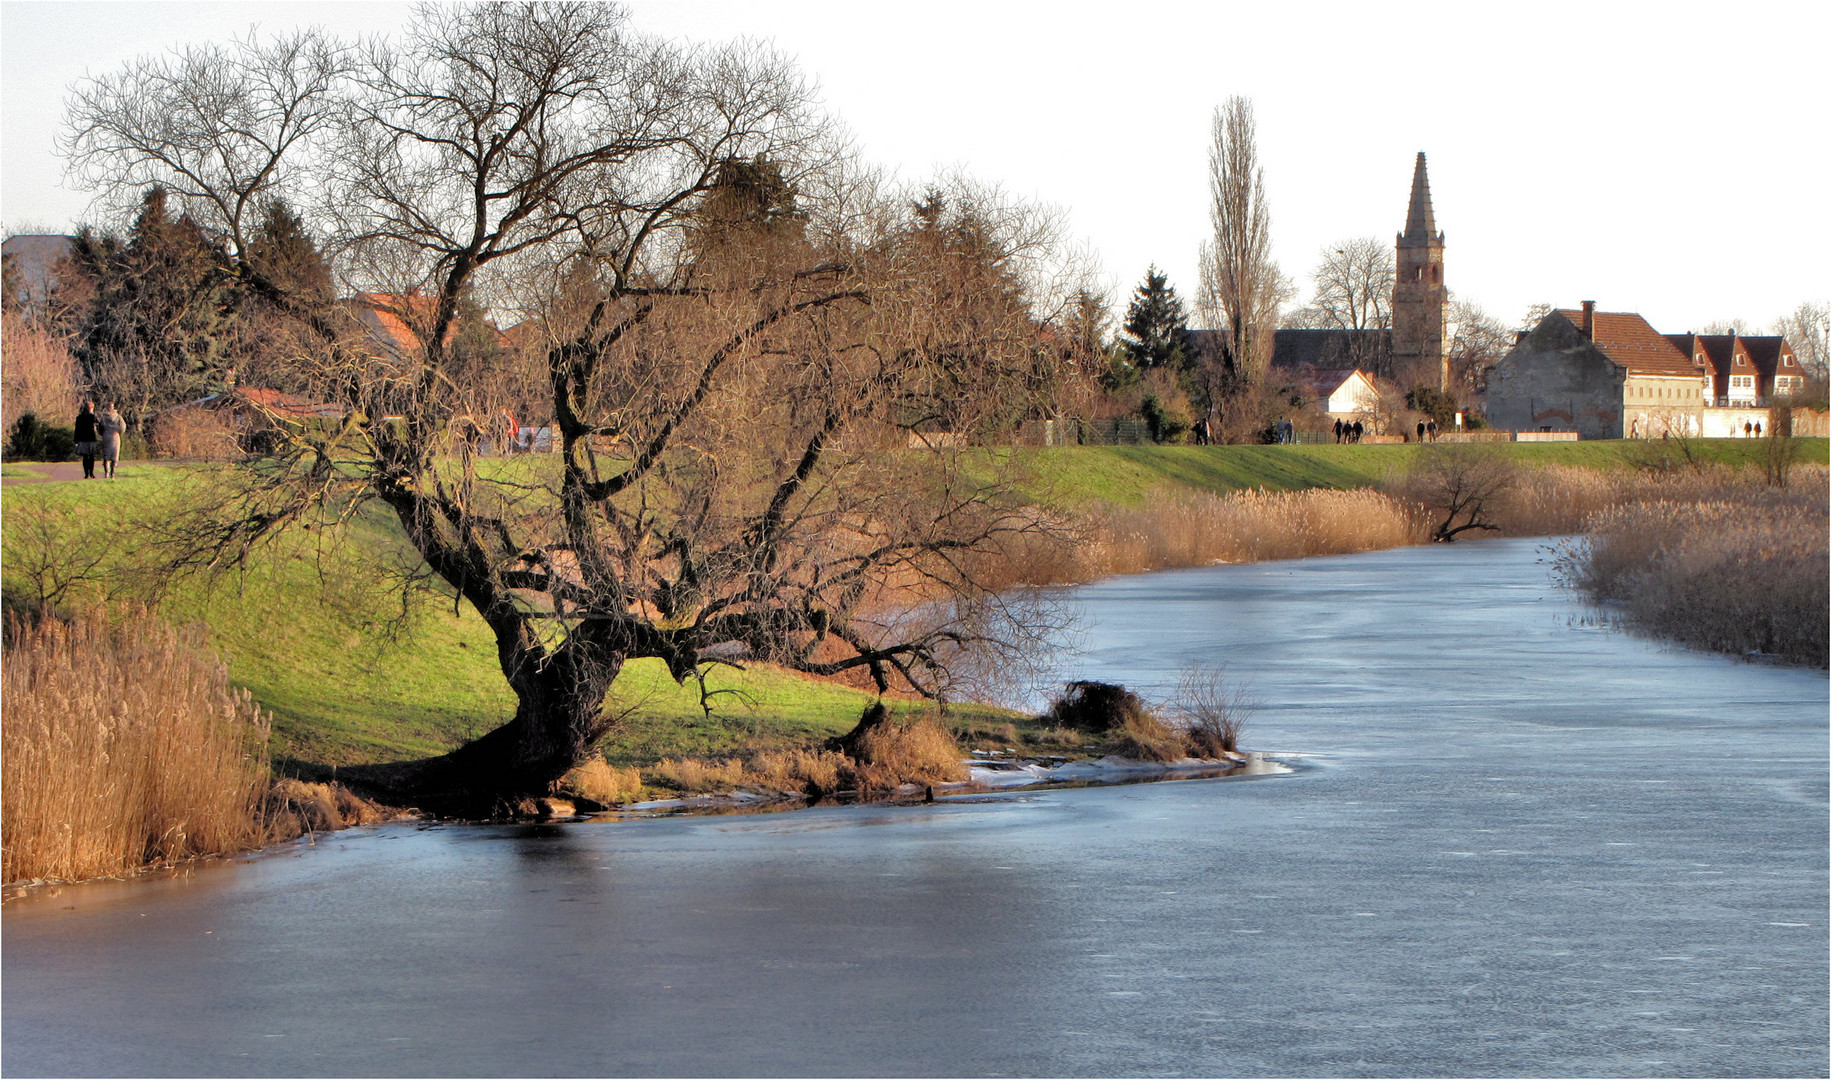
(1418, 295)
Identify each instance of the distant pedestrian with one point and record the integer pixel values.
(1757, 429)
(1338, 429)
(1359, 429)
(1420, 431)
(86, 436)
(1430, 428)
(111, 427)
(1747, 429)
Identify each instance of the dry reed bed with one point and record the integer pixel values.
(1199, 528)
(123, 745)
(1736, 568)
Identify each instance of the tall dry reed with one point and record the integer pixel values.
(123, 745)
(1744, 572)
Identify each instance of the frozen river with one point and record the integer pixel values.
(1526, 846)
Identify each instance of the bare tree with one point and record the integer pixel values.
(1242, 288)
(1467, 486)
(1535, 314)
(1808, 330)
(738, 336)
(1476, 341)
(222, 128)
(1354, 285)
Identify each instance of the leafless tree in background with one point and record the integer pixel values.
(1475, 341)
(1808, 330)
(1354, 285)
(737, 329)
(37, 373)
(1241, 289)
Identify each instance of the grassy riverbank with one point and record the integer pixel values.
(351, 676)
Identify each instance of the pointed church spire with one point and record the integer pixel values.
(1420, 223)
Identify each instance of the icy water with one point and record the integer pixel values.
(1526, 847)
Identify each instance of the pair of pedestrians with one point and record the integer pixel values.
(99, 433)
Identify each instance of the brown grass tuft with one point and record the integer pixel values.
(601, 782)
(1144, 737)
(123, 745)
(694, 777)
(920, 751)
(816, 773)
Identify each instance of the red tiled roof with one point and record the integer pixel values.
(1628, 340)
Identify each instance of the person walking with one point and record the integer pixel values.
(86, 436)
(1430, 428)
(1420, 431)
(1338, 429)
(112, 426)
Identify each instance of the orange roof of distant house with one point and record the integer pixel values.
(1628, 340)
(391, 318)
(383, 312)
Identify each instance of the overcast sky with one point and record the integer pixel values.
(1667, 159)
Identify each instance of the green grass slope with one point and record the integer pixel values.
(351, 675)
(1128, 475)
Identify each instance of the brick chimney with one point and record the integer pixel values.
(1589, 319)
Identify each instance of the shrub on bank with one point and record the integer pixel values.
(123, 745)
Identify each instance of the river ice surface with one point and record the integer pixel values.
(1527, 846)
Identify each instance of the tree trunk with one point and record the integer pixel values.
(557, 721)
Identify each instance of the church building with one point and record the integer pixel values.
(1411, 349)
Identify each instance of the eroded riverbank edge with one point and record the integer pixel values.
(988, 776)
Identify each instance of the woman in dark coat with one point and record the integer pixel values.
(86, 437)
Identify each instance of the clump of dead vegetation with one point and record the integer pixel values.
(1739, 568)
(1204, 718)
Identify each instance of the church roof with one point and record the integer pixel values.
(1329, 349)
(1629, 340)
(1420, 220)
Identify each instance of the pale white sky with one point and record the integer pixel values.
(1668, 159)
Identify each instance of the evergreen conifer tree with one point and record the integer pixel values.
(1156, 326)
(160, 326)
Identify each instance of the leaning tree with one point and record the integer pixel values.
(735, 334)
